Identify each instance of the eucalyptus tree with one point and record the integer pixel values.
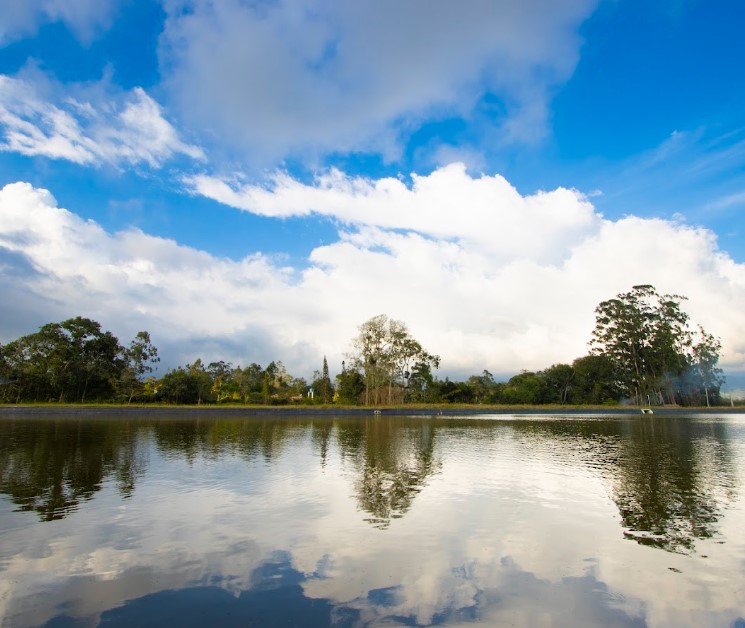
(387, 354)
(140, 356)
(709, 376)
(648, 338)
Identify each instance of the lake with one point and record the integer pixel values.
(210, 519)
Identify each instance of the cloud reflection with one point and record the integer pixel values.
(513, 520)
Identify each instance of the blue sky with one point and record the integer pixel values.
(252, 180)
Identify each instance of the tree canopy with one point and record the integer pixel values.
(644, 349)
(658, 357)
(387, 354)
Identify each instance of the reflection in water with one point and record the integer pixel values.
(276, 598)
(224, 521)
(50, 466)
(394, 456)
(670, 478)
(212, 438)
(674, 480)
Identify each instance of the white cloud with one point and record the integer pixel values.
(130, 130)
(448, 204)
(84, 17)
(480, 301)
(309, 77)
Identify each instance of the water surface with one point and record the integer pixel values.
(378, 520)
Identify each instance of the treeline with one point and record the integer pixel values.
(75, 361)
(643, 350)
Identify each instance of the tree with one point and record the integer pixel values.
(386, 353)
(323, 389)
(595, 380)
(69, 361)
(422, 384)
(524, 388)
(139, 357)
(482, 387)
(707, 376)
(221, 375)
(326, 389)
(202, 380)
(557, 384)
(179, 386)
(350, 384)
(648, 338)
(454, 392)
(249, 382)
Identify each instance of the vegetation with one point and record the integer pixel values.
(388, 355)
(657, 357)
(643, 349)
(73, 361)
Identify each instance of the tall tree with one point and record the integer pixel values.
(386, 353)
(649, 340)
(140, 357)
(707, 376)
(326, 388)
(323, 389)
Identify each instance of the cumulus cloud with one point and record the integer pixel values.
(85, 18)
(447, 204)
(310, 77)
(480, 300)
(128, 130)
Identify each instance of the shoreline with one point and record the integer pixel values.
(420, 411)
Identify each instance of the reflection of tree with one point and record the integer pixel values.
(674, 478)
(394, 456)
(189, 437)
(671, 477)
(51, 466)
(321, 435)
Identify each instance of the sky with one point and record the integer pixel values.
(251, 180)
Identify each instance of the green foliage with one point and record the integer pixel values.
(596, 380)
(139, 358)
(387, 355)
(643, 348)
(658, 358)
(350, 385)
(524, 388)
(69, 361)
(483, 387)
(323, 389)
